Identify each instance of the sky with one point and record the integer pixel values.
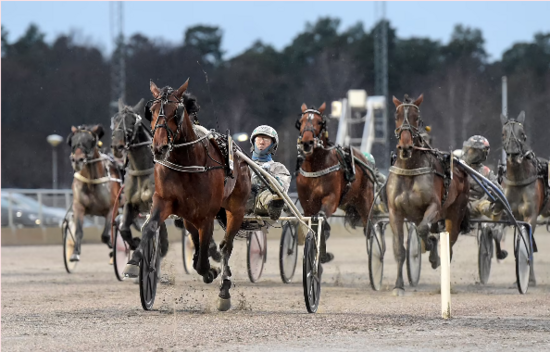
(278, 23)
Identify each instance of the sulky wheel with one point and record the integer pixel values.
(68, 229)
(256, 253)
(311, 274)
(188, 250)
(121, 252)
(288, 251)
(485, 254)
(376, 249)
(522, 245)
(414, 255)
(149, 272)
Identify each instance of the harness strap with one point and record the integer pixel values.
(95, 181)
(188, 169)
(320, 172)
(522, 182)
(132, 172)
(411, 172)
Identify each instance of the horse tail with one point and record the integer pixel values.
(352, 217)
(465, 223)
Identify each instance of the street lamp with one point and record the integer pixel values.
(240, 137)
(54, 140)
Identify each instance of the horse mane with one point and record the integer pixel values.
(407, 99)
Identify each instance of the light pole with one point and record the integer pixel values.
(54, 140)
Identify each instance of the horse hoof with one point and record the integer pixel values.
(398, 292)
(224, 304)
(435, 264)
(131, 271)
(75, 258)
(532, 283)
(208, 278)
(136, 281)
(502, 255)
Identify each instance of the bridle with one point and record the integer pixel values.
(129, 139)
(88, 154)
(406, 125)
(317, 141)
(163, 100)
(514, 138)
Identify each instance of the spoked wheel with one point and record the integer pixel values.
(485, 254)
(522, 259)
(69, 240)
(414, 255)
(188, 250)
(256, 245)
(288, 252)
(376, 247)
(149, 272)
(311, 274)
(121, 253)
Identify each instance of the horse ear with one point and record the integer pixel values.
(396, 101)
(70, 136)
(138, 108)
(521, 117)
(304, 107)
(182, 89)
(418, 101)
(322, 108)
(154, 89)
(98, 131)
(503, 119)
(120, 105)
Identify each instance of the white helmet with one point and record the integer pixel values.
(268, 131)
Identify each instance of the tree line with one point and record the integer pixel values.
(48, 87)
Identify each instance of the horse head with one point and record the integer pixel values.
(169, 115)
(312, 126)
(407, 123)
(125, 125)
(514, 138)
(84, 142)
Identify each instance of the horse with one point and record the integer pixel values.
(193, 180)
(523, 183)
(130, 144)
(423, 186)
(325, 180)
(96, 184)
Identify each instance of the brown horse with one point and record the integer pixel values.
(325, 181)
(96, 183)
(192, 182)
(524, 186)
(421, 188)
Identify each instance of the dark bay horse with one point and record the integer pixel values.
(524, 183)
(192, 181)
(130, 143)
(325, 181)
(96, 184)
(420, 188)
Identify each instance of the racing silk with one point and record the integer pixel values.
(276, 170)
(476, 192)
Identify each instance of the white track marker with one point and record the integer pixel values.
(445, 276)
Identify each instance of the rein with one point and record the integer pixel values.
(100, 180)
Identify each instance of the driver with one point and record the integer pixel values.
(474, 153)
(264, 141)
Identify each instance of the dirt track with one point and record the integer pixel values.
(45, 309)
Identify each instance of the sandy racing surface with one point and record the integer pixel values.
(46, 309)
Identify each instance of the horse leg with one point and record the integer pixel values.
(532, 279)
(159, 212)
(396, 223)
(78, 214)
(106, 234)
(430, 215)
(203, 267)
(196, 242)
(128, 215)
(328, 207)
(497, 233)
(234, 221)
